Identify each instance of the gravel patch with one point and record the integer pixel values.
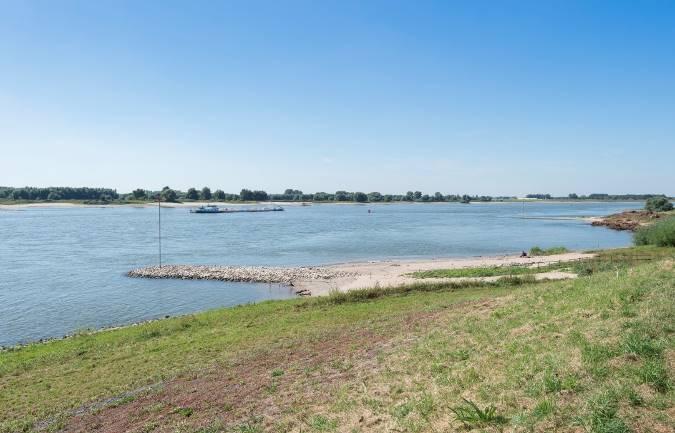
(251, 274)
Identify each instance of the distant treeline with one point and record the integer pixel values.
(596, 196)
(205, 193)
(58, 193)
(106, 195)
(172, 195)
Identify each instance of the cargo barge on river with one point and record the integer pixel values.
(211, 208)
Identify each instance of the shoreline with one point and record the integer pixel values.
(341, 277)
(392, 273)
(353, 276)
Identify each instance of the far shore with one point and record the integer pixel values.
(190, 204)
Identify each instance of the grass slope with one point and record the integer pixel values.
(594, 354)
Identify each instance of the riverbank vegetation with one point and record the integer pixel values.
(485, 271)
(592, 354)
(167, 194)
(538, 251)
(656, 209)
(661, 233)
(84, 194)
(658, 204)
(596, 197)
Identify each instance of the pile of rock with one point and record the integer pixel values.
(251, 274)
(628, 220)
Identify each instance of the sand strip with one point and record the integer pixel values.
(320, 280)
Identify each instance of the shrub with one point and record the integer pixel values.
(658, 204)
(537, 251)
(661, 234)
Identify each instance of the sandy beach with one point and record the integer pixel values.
(392, 273)
(321, 280)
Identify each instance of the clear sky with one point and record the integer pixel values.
(494, 97)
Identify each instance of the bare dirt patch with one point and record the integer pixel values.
(272, 386)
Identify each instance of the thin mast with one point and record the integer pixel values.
(159, 227)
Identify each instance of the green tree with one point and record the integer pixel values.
(219, 194)
(192, 194)
(206, 193)
(360, 197)
(342, 196)
(418, 195)
(139, 194)
(257, 195)
(658, 204)
(168, 194)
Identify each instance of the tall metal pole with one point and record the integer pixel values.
(159, 227)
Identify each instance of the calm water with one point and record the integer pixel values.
(62, 269)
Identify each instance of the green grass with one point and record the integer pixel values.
(360, 295)
(537, 251)
(485, 271)
(592, 354)
(661, 233)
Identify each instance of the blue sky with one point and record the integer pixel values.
(499, 97)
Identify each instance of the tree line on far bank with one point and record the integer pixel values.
(30, 193)
(596, 196)
(107, 195)
(167, 194)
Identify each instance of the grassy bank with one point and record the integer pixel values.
(661, 233)
(484, 271)
(594, 354)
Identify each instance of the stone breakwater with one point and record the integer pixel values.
(250, 274)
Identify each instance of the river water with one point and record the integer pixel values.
(62, 269)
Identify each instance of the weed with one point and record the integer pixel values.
(403, 410)
(122, 401)
(552, 382)
(322, 423)
(216, 427)
(184, 411)
(544, 408)
(460, 355)
(15, 426)
(485, 271)
(655, 373)
(361, 295)
(473, 416)
(641, 345)
(425, 406)
(537, 251)
(604, 417)
(251, 426)
(149, 427)
(634, 398)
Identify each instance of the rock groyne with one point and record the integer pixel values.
(250, 274)
(628, 220)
